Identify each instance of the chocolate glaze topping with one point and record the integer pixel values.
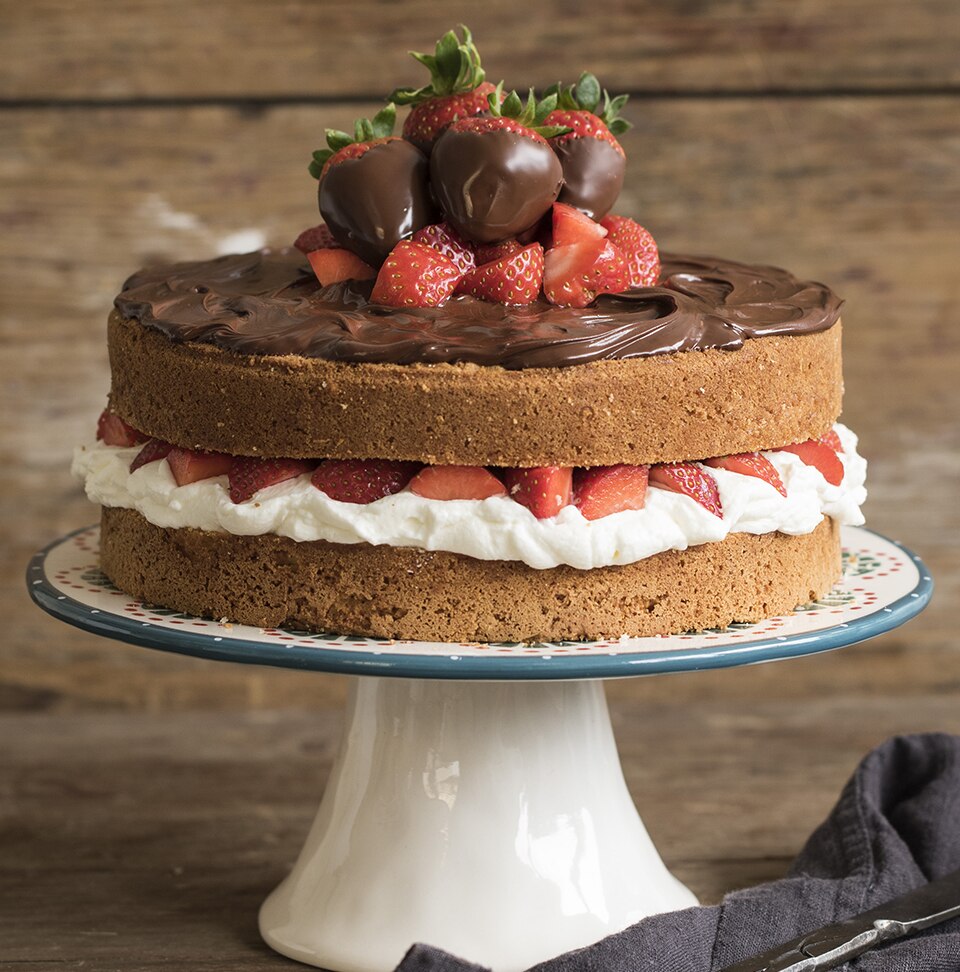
(269, 302)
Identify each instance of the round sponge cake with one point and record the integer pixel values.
(245, 356)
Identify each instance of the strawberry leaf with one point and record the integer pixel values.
(336, 139)
(447, 59)
(546, 105)
(411, 96)
(319, 160)
(587, 95)
(588, 92)
(383, 121)
(529, 115)
(615, 105)
(512, 106)
(454, 69)
(552, 131)
(427, 60)
(364, 130)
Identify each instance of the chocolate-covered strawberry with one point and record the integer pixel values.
(456, 90)
(496, 176)
(373, 189)
(592, 159)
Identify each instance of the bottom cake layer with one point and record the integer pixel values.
(411, 594)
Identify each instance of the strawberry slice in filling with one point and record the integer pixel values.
(750, 464)
(820, 455)
(690, 480)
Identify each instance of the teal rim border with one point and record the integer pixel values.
(491, 668)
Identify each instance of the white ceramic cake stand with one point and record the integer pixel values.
(477, 802)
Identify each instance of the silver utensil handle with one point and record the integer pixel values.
(828, 947)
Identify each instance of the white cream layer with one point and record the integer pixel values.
(497, 528)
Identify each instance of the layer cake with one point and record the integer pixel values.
(476, 430)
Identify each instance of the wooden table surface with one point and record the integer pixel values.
(148, 802)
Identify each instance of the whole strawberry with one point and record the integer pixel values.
(496, 176)
(592, 159)
(456, 90)
(373, 187)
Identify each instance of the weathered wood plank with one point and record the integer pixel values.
(862, 193)
(140, 842)
(56, 49)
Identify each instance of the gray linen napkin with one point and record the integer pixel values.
(895, 826)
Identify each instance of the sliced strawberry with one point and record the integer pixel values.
(819, 455)
(248, 475)
(112, 430)
(443, 238)
(831, 439)
(362, 480)
(456, 482)
(543, 490)
(153, 451)
(415, 275)
(315, 238)
(750, 464)
(490, 252)
(611, 273)
(511, 280)
(690, 480)
(191, 465)
(335, 264)
(564, 267)
(575, 274)
(572, 226)
(638, 248)
(603, 490)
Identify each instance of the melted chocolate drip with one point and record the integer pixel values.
(373, 202)
(493, 185)
(593, 173)
(269, 302)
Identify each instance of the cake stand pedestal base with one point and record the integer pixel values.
(477, 802)
(490, 819)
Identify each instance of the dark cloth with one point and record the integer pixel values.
(895, 826)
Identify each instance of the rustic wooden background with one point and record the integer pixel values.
(147, 802)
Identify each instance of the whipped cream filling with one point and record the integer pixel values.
(497, 528)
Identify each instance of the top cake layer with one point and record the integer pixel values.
(248, 355)
(269, 303)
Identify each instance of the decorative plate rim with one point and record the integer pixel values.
(884, 617)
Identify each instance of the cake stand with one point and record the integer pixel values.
(477, 802)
